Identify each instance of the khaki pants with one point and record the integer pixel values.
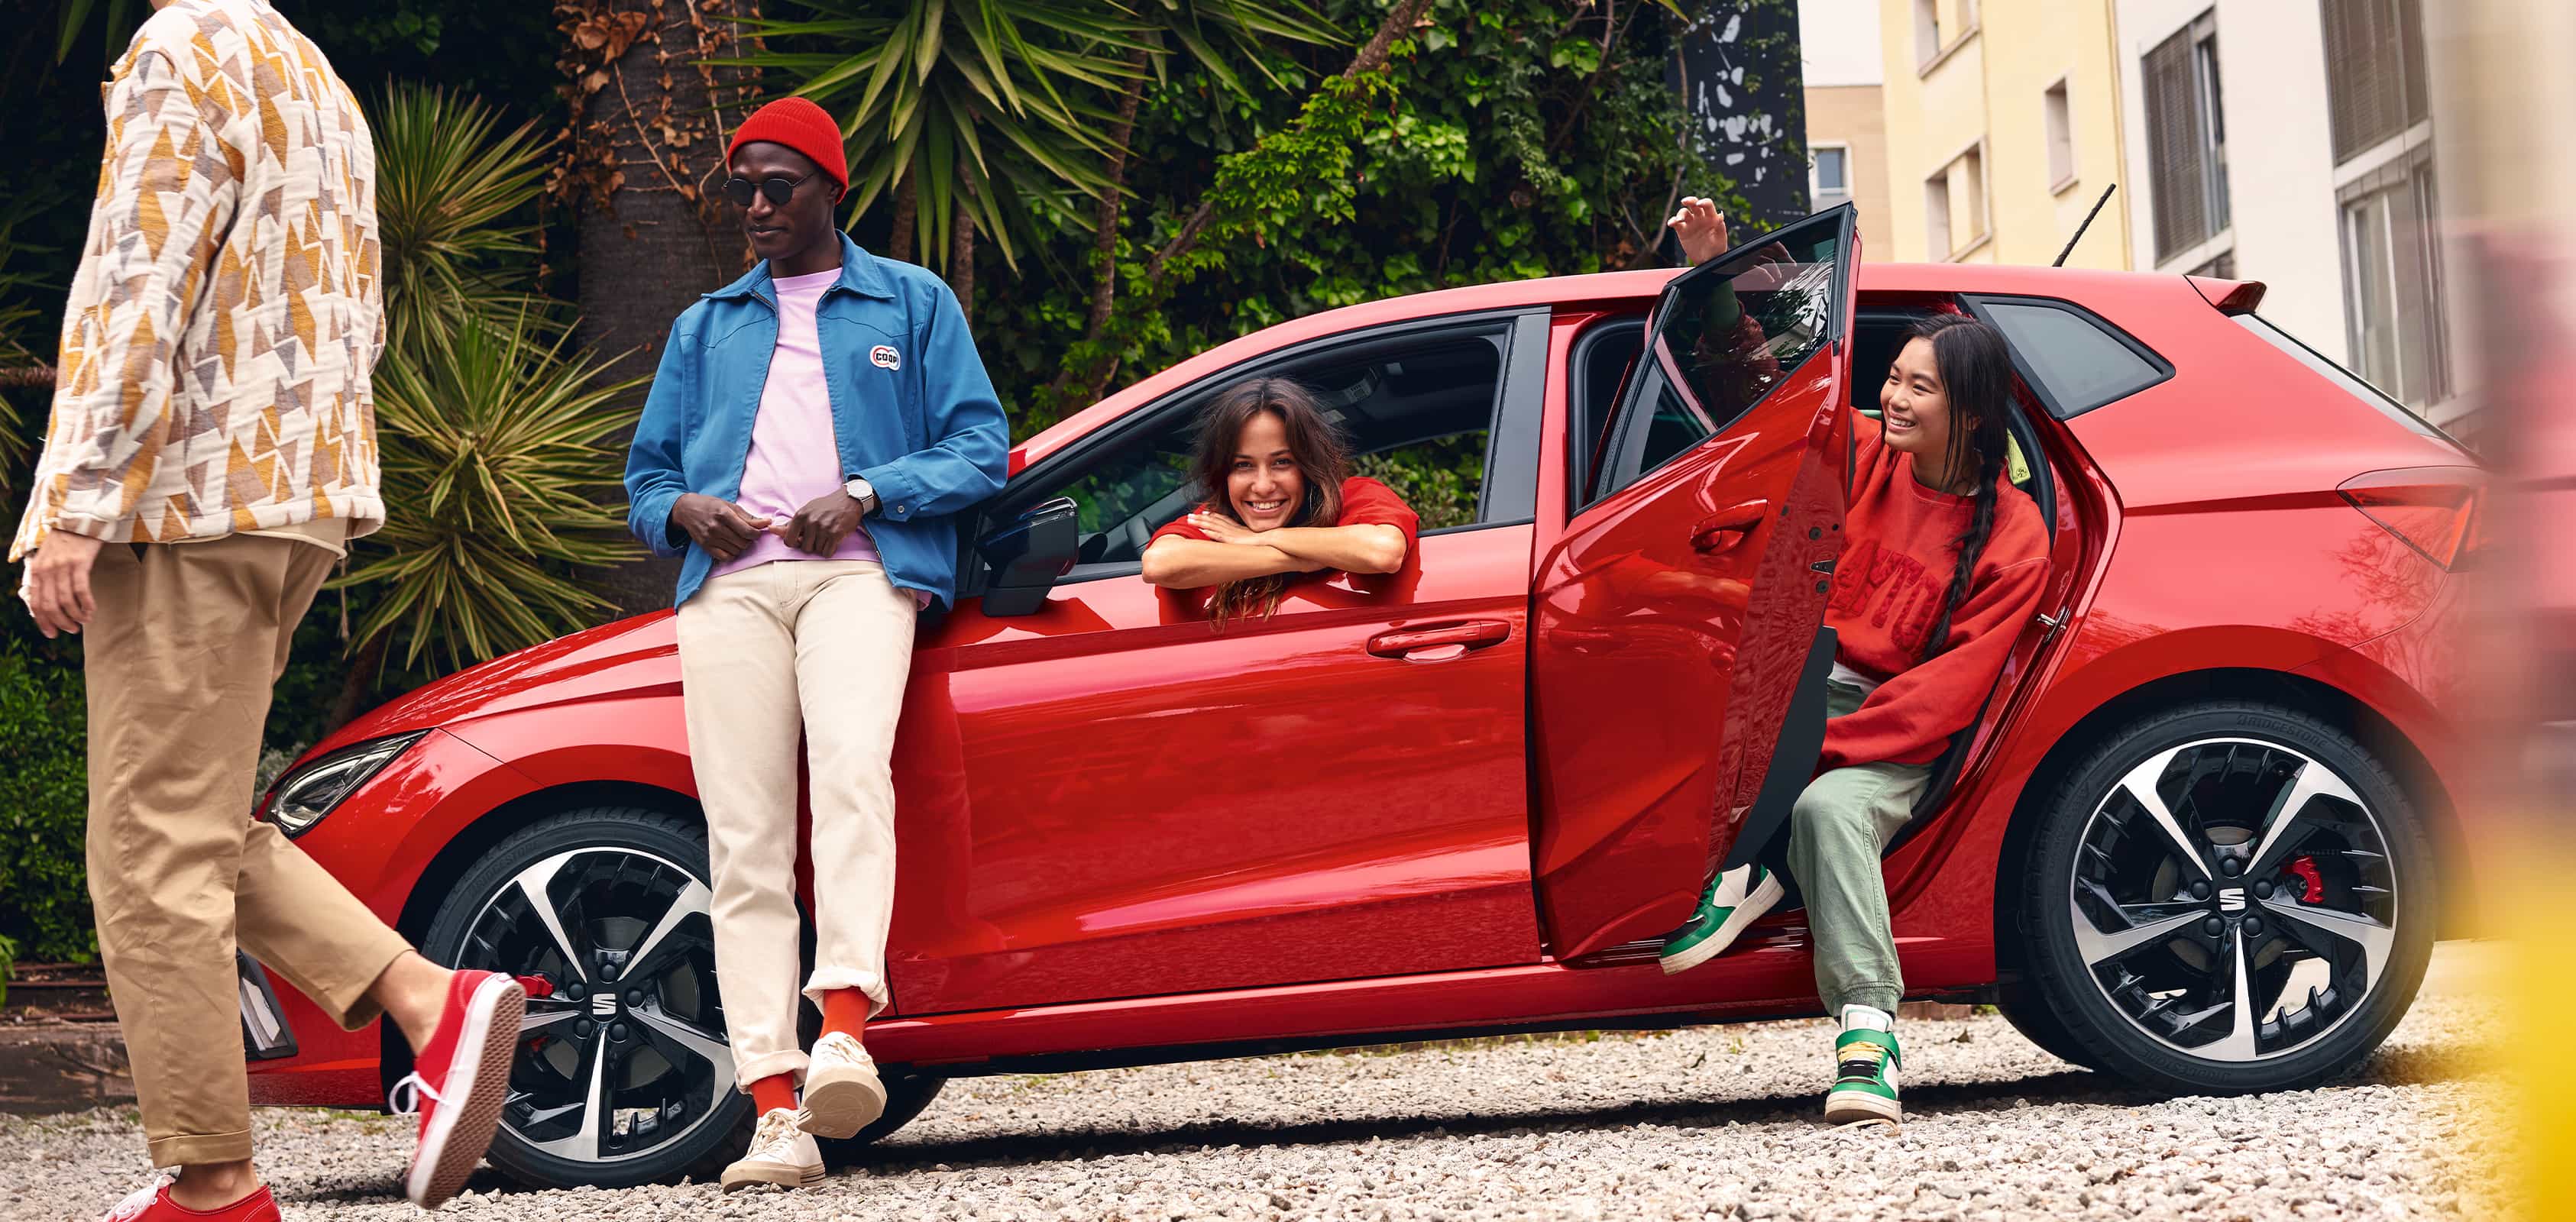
(821, 647)
(187, 643)
(1837, 832)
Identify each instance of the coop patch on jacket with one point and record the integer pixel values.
(226, 314)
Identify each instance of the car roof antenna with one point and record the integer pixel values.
(2088, 224)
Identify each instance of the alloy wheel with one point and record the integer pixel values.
(623, 1053)
(2234, 899)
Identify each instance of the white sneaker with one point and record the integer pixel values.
(781, 1153)
(1734, 900)
(1866, 1059)
(842, 1091)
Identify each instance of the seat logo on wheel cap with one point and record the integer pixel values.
(604, 1005)
(2232, 900)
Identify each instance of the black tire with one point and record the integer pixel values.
(605, 869)
(908, 1094)
(2028, 1012)
(2200, 922)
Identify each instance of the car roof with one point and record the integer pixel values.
(1613, 290)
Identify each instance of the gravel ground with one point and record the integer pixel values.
(1716, 1122)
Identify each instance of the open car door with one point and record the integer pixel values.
(1680, 614)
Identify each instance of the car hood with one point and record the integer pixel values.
(607, 662)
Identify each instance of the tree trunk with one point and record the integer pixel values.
(961, 254)
(1104, 246)
(1373, 56)
(653, 235)
(907, 210)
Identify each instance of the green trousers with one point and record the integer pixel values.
(1837, 831)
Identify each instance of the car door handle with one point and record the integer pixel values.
(1722, 530)
(1440, 642)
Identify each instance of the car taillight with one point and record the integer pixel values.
(2432, 509)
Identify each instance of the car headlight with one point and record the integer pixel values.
(304, 795)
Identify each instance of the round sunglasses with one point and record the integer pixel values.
(778, 187)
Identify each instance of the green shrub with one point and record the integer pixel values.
(44, 804)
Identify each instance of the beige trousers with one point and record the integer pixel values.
(187, 643)
(822, 647)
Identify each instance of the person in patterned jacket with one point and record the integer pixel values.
(211, 452)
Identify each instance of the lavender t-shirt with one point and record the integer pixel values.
(794, 456)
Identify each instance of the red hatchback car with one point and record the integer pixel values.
(2197, 838)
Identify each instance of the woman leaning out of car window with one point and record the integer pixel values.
(1283, 504)
(1944, 562)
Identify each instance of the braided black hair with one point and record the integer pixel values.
(1976, 377)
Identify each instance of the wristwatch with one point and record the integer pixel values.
(860, 491)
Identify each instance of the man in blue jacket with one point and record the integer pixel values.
(812, 434)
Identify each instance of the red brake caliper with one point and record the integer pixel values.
(536, 986)
(2312, 886)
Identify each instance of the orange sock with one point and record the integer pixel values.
(846, 1011)
(776, 1091)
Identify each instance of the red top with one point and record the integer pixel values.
(1888, 589)
(1365, 502)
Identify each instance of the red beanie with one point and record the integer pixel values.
(801, 125)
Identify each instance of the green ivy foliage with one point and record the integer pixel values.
(1503, 142)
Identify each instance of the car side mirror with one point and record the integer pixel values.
(1028, 555)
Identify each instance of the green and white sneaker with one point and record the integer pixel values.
(1736, 899)
(1865, 1064)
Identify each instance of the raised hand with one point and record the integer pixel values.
(1701, 229)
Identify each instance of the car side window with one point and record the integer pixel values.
(1721, 338)
(1602, 357)
(2076, 362)
(1419, 414)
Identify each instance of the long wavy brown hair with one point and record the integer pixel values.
(1323, 460)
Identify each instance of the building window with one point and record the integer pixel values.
(1927, 31)
(2061, 137)
(2393, 282)
(2374, 71)
(1829, 176)
(2186, 138)
(1954, 205)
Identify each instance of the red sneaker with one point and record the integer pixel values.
(153, 1204)
(459, 1082)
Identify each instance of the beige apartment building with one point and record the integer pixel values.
(1847, 117)
(2002, 128)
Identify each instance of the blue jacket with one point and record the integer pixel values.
(912, 410)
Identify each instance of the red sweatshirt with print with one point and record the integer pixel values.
(1888, 589)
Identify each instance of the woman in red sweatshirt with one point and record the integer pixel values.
(1945, 561)
(1283, 505)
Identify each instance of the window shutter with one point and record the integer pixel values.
(2375, 82)
(2410, 48)
(2173, 147)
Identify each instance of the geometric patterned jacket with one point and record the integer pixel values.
(228, 312)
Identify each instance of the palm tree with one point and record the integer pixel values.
(500, 449)
(986, 110)
(22, 371)
(451, 200)
(496, 446)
